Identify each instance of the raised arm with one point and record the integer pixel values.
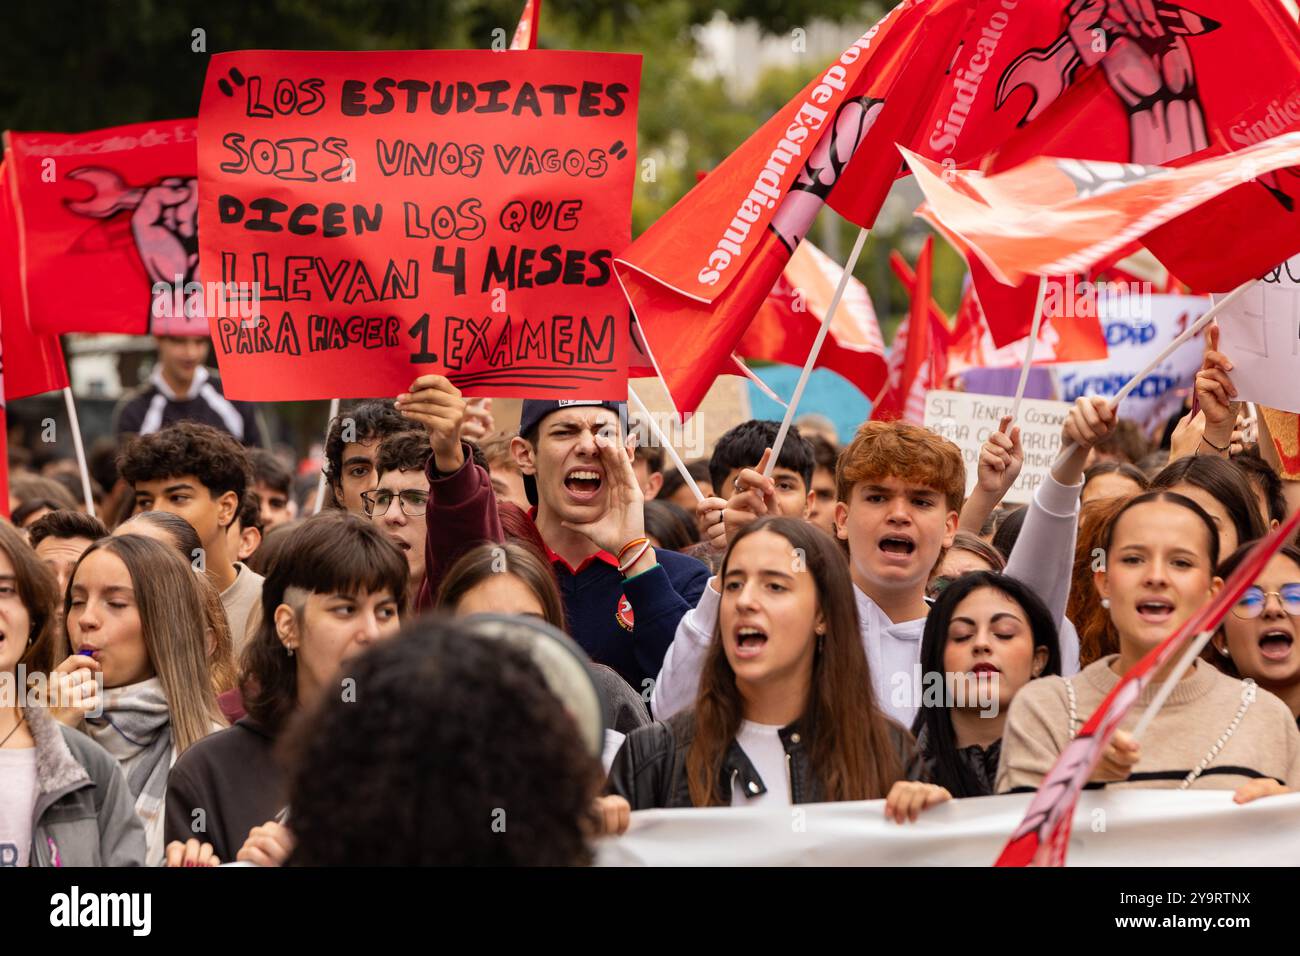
(462, 510)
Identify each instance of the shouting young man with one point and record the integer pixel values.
(623, 599)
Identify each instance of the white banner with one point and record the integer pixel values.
(1134, 340)
(1260, 334)
(1121, 828)
(967, 419)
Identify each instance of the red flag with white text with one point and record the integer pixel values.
(699, 274)
(104, 218)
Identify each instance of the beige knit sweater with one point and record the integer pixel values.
(1198, 712)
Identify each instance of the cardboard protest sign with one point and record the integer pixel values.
(967, 420)
(407, 213)
(1260, 333)
(1281, 430)
(105, 218)
(1137, 329)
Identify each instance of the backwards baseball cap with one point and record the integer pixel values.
(535, 410)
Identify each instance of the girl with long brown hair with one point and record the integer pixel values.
(63, 799)
(133, 608)
(785, 711)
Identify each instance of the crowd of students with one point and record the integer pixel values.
(207, 678)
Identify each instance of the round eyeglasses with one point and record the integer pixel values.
(1251, 603)
(412, 503)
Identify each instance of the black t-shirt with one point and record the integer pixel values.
(223, 786)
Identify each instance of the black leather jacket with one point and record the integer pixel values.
(650, 768)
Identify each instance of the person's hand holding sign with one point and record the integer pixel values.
(620, 530)
(437, 405)
(1215, 393)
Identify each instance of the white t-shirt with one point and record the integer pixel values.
(17, 802)
(762, 745)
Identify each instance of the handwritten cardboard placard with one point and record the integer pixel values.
(967, 420)
(405, 213)
(1260, 333)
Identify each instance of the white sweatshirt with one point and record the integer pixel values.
(1042, 559)
(893, 654)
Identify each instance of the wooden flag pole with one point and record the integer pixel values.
(320, 485)
(814, 352)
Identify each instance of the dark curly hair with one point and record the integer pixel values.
(405, 451)
(331, 552)
(369, 420)
(453, 753)
(214, 457)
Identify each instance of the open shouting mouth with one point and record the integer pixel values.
(1155, 610)
(750, 641)
(583, 484)
(1275, 644)
(897, 547)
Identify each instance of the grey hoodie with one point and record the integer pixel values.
(84, 813)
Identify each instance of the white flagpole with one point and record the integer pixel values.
(80, 449)
(664, 443)
(320, 485)
(1169, 350)
(1029, 350)
(763, 387)
(793, 406)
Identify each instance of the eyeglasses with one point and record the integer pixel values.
(1252, 602)
(412, 504)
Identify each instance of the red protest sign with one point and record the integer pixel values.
(418, 212)
(104, 217)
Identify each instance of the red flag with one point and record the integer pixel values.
(1137, 83)
(699, 274)
(30, 363)
(788, 322)
(1052, 216)
(103, 218)
(1151, 83)
(1043, 836)
(915, 362)
(525, 37)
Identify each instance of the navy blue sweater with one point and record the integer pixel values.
(631, 636)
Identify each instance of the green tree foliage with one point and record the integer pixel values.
(73, 66)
